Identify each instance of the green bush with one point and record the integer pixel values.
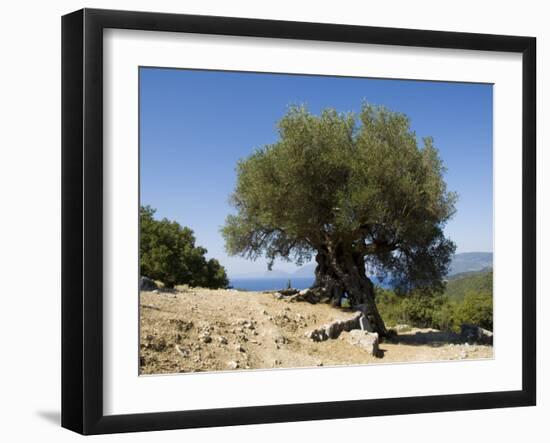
(390, 306)
(168, 253)
(435, 310)
(477, 309)
(445, 317)
(420, 309)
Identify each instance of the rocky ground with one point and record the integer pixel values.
(195, 329)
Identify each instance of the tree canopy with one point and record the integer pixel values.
(168, 253)
(359, 183)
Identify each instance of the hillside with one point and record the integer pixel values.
(461, 263)
(470, 261)
(478, 282)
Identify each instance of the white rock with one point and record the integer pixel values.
(364, 324)
(366, 340)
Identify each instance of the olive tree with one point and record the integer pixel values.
(357, 192)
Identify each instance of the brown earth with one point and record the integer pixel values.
(191, 330)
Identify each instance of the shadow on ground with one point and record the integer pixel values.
(430, 338)
(54, 417)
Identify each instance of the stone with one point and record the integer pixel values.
(233, 365)
(306, 295)
(317, 335)
(402, 328)
(181, 351)
(205, 338)
(281, 340)
(288, 291)
(239, 348)
(367, 340)
(364, 324)
(147, 284)
(222, 340)
(473, 334)
(334, 329)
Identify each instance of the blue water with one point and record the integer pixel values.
(269, 284)
(276, 283)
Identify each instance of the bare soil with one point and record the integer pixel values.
(191, 330)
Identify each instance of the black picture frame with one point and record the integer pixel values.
(82, 215)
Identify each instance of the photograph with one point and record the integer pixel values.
(306, 221)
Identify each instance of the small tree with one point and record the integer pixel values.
(168, 253)
(356, 193)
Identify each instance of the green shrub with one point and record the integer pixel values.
(168, 253)
(445, 317)
(389, 305)
(477, 309)
(438, 311)
(420, 309)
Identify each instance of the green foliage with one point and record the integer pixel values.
(390, 306)
(467, 299)
(168, 253)
(361, 183)
(460, 284)
(420, 309)
(477, 309)
(446, 316)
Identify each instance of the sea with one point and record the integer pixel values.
(276, 283)
(270, 283)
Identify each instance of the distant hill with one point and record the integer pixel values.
(470, 261)
(475, 281)
(464, 262)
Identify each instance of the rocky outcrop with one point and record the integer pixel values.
(334, 329)
(147, 284)
(473, 334)
(367, 340)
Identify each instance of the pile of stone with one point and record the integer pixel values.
(360, 332)
(293, 295)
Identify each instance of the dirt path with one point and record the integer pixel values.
(211, 330)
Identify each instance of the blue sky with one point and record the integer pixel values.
(196, 125)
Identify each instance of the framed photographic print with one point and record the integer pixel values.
(269, 221)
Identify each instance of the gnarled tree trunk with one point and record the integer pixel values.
(340, 272)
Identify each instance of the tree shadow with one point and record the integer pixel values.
(429, 338)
